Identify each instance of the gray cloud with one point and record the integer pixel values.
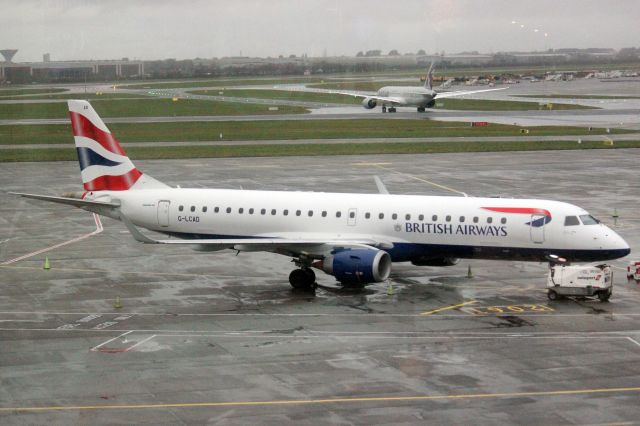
(82, 29)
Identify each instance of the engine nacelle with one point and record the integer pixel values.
(435, 261)
(369, 103)
(357, 266)
(431, 103)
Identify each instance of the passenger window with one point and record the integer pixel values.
(240, 210)
(489, 219)
(298, 212)
(180, 208)
(216, 210)
(285, 212)
(263, 211)
(193, 208)
(475, 219)
(421, 217)
(381, 215)
(310, 213)
(204, 209)
(448, 218)
(394, 216)
(407, 217)
(367, 215)
(352, 214)
(503, 220)
(588, 220)
(461, 219)
(434, 218)
(228, 209)
(324, 213)
(338, 214)
(273, 212)
(251, 210)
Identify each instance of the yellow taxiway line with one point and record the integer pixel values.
(446, 308)
(573, 392)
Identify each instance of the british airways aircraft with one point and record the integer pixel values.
(353, 237)
(420, 97)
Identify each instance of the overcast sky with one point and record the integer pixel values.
(158, 29)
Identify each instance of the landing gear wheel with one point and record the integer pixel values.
(392, 109)
(420, 109)
(604, 296)
(384, 108)
(302, 279)
(552, 295)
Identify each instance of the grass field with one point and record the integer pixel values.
(283, 95)
(365, 86)
(283, 130)
(69, 154)
(153, 107)
(578, 96)
(15, 92)
(80, 95)
(220, 83)
(489, 105)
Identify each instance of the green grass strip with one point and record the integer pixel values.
(137, 153)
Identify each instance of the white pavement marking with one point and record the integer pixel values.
(98, 230)
(140, 342)
(633, 341)
(97, 348)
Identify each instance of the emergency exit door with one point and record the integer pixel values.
(163, 212)
(537, 228)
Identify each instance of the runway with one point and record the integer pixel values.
(218, 338)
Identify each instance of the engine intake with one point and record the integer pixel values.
(369, 103)
(358, 266)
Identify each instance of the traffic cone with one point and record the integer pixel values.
(469, 273)
(47, 266)
(615, 217)
(390, 289)
(118, 303)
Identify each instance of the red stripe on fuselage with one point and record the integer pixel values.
(519, 210)
(82, 126)
(114, 183)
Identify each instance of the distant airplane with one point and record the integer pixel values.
(421, 97)
(353, 237)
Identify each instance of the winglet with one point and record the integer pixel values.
(381, 188)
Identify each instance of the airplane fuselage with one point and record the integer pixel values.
(411, 96)
(416, 227)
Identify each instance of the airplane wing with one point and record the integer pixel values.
(466, 92)
(388, 99)
(100, 207)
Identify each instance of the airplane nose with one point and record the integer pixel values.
(616, 244)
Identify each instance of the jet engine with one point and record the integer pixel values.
(369, 103)
(357, 266)
(431, 103)
(435, 261)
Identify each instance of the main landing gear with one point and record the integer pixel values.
(303, 279)
(421, 109)
(390, 109)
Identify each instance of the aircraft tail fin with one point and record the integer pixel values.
(428, 82)
(103, 163)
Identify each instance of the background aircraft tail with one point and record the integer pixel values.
(428, 82)
(103, 163)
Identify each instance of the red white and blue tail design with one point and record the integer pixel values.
(103, 163)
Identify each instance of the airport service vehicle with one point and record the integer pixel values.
(633, 270)
(421, 97)
(580, 280)
(353, 237)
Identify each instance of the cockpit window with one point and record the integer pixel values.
(571, 221)
(587, 219)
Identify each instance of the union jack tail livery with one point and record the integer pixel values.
(103, 163)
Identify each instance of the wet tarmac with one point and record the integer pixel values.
(116, 332)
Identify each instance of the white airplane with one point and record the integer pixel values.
(354, 237)
(421, 97)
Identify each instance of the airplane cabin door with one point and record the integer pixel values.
(537, 228)
(163, 212)
(351, 218)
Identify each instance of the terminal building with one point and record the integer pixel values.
(59, 71)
